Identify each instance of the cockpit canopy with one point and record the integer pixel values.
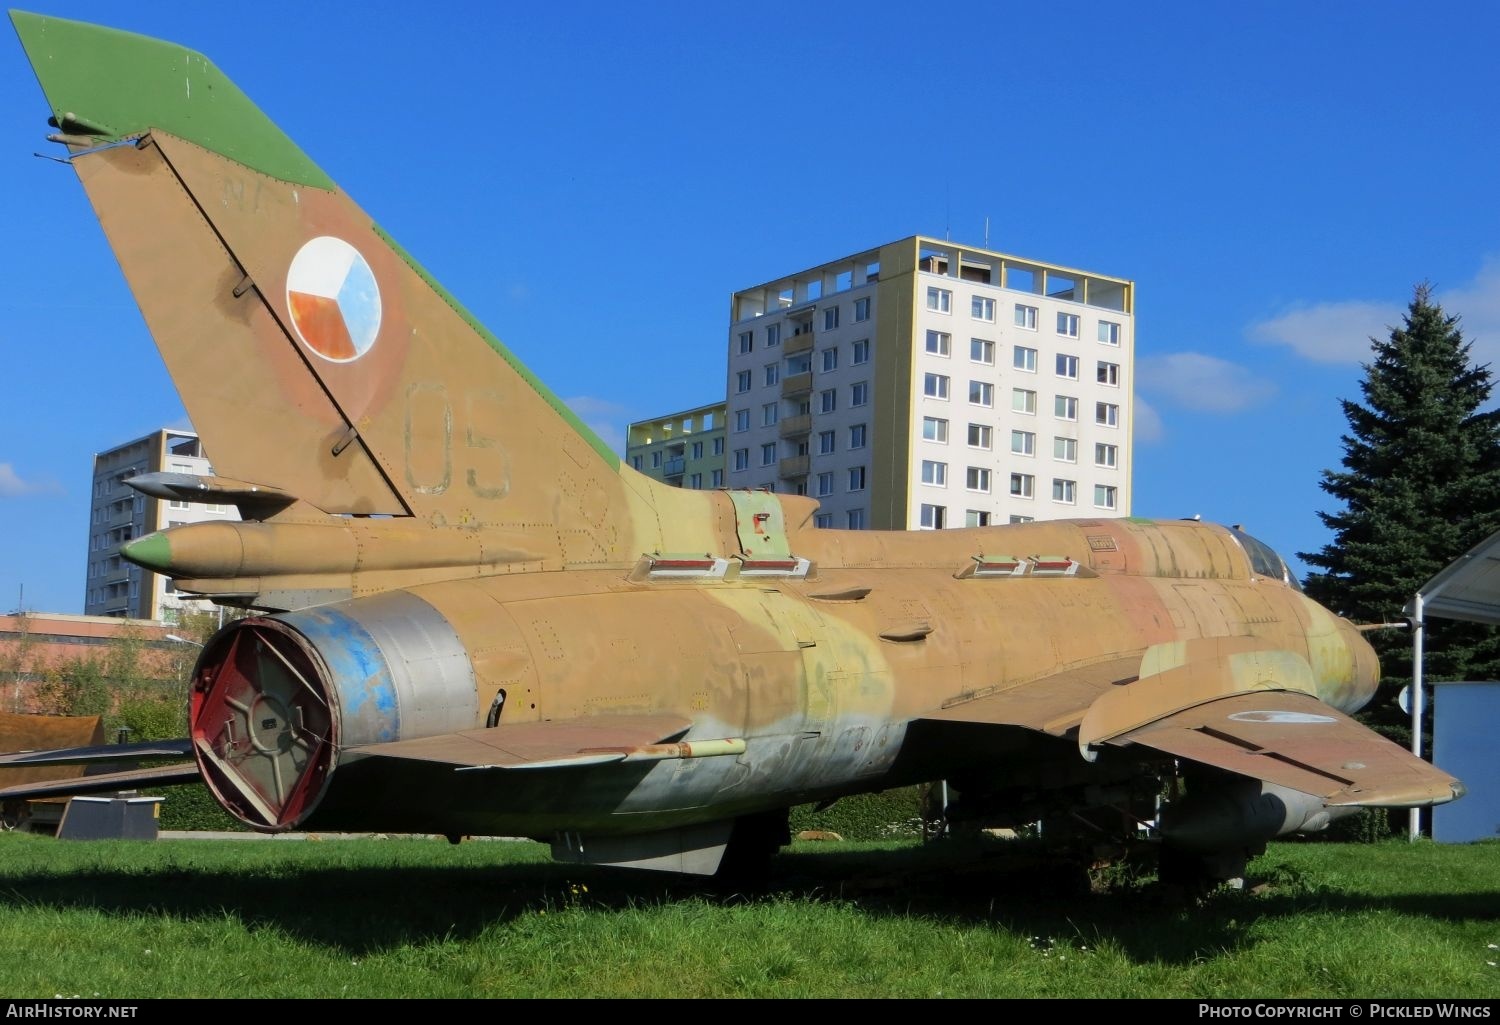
(1264, 560)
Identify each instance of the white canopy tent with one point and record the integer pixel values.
(1468, 588)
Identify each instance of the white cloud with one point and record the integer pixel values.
(1331, 332)
(1477, 305)
(1339, 331)
(12, 486)
(1146, 425)
(1193, 380)
(607, 419)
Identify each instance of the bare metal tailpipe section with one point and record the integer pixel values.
(276, 699)
(1242, 813)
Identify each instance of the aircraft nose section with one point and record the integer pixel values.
(263, 728)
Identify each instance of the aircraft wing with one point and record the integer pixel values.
(553, 744)
(1233, 703)
(1297, 741)
(97, 753)
(106, 782)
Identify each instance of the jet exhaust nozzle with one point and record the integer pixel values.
(277, 699)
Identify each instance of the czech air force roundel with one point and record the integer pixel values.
(334, 300)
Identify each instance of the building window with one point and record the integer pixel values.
(747, 342)
(718, 446)
(859, 393)
(1107, 413)
(768, 453)
(1023, 358)
(934, 429)
(935, 386)
(1064, 491)
(717, 479)
(830, 359)
(742, 381)
(977, 479)
(933, 517)
(1023, 401)
(635, 462)
(940, 299)
(655, 459)
(977, 518)
(768, 414)
(1106, 455)
(830, 318)
(825, 442)
(1065, 450)
(1022, 519)
(1065, 407)
(773, 335)
(773, 373)
(934, 473)
(982, 308)
(1067, 366)
(1067, 324)
(1107, 374)
(823, 521)
(856, 519)
(697, 450)
(825, 484)
(981, 393)
(742, 459)
(982, 350)
(861, 310)
(1022, 485)
(742, 419)
(1023, 443)
(1026, 317)
(862, 351)
(980, 436)
(695, 481)
(1106, 496)
(856, 478)
(828, 400)
(857, 436)
(1109, 332)
(939, 343)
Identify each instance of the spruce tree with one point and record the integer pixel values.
(1420, 486)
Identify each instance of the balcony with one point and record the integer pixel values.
(794, 466)
(798, 343)
(796, 384)
(673, 467)
(795, 425)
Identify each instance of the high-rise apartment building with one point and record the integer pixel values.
(685, 449)
(925, 384)
(119, 514)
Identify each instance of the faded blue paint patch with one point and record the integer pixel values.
(369, 710)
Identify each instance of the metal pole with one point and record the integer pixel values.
(1418, 628)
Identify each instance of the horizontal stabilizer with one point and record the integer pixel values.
(101, 753)
(556, 744)
(134, 779)
(1297, 741)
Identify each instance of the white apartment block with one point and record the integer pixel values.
(925, 384)
(119, 514)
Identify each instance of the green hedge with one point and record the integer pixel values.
(892, 814)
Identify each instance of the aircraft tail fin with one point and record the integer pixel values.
(313, 354)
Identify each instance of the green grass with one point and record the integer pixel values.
(421, 918)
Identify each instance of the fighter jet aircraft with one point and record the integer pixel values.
(473, 619)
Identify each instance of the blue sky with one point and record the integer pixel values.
(594, 180)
